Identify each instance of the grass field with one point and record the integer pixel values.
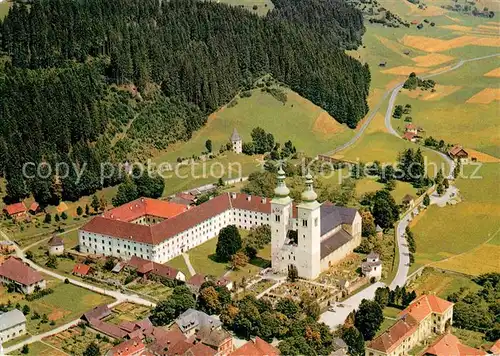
(66, 303)
(40, 348)
(4, 8)
(452, 230)
(260, 7)
(441, 284)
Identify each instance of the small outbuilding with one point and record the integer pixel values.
(56, 246)
(379, 231)
(408, 200)
(82, 270)
(372, 267)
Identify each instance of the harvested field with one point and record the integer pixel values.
(431, 60)
(393, 83)
(325, 124)
(440, 92)
(495, 73)
(430, 44)
(404, 70)
(485, 96)
(488, 30)
(393, 46)
(481, 260)
(453, 18)
(482, 157)
(490, 27)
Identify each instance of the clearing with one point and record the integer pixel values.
(445, 232)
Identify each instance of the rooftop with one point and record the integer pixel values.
(127, 348)
(81, 269)
(449, 344)
(392, 337)
(235, 136)
(424, 305)
(145, 207)
(11, 318)
(192, 318)
(14, 209)
(257, 347)
(56, 241)
(16, 270)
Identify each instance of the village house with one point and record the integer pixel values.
(408, 201)
(236, 142)
(7, 247)
(457, 153)
(192, 321)
(56, 246)
(448, 344)
(145, 268)
(218, 339)
(26, 279)
(372, 267)
(411, 128)
(12, 325)
(34, 208)
(425, 316)
(410, 136)
(256, 347)
(15, 211)
(132, 347)
(82, 270)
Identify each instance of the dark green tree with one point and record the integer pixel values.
(169, 309)
(368, 318)
(47, 219)
(354, 340)
(208, 145)
(79, 210)
(92, 350)
(95, 203)
(228, 243)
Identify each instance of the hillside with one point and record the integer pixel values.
(179, 61)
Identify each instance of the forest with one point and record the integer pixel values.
(69, 63)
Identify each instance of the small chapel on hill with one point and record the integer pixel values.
(310, 236)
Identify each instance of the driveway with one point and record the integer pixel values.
(336, 319)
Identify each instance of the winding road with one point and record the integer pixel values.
(336, 318)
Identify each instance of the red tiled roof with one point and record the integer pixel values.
(424, 305)
(145, 206)
(14, 209)
(395, 335)
(15, 270)
(142, 265)
(495, 349)
(165, 338)
(81, 269)
(197, 280)
(166, 229)
(409, 135)
(164, 271)
(251, 202)
(200, 349)
(179, 348)
(449, 344)
(456, 150)
(256, 348)
(186, 196)
(34, 206)
(145, 266)
(411, 127)
(127, 348)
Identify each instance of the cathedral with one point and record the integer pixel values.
(310, 236)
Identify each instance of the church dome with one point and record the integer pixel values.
(309, 194)
(281, 190)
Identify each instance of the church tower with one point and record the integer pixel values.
(309, 232)
(281, 213)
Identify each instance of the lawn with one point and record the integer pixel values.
(441, 284)
(67, 302)
(40, 348)
(260, 7)
(445, 232)
(391, 312)
(386, 324)
(384, 147)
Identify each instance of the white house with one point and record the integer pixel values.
(372, 267)
(56, 246)
(12, 325)
(26, 279)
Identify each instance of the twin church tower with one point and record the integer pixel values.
(310, 236)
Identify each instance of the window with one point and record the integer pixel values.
(316, 222)
(277, 218)
(304, 223)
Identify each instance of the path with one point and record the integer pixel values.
(188, 264)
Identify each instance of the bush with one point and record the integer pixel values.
(39, 294)
(66, 281)
(246, 94)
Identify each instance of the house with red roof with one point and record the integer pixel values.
(457, 153)
(145, 268)
(495, 348)
(26, 279)
(15, 211)
(34, 208)
(425, 316)
(448, 344)
(81, 270)
(257, 347)
(132, 347)
(411, 128)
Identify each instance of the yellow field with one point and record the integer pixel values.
(495, 73)
(432, 59)
(392, 45)
(439, 69)
(440, 92)
(405, 70)
(485, 96)
(485, 30)
(481, 260)
(430, 44)
(325, 124)
(482, 157)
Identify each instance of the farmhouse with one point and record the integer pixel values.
(56, 246)
(457, 153)
(236, 142)
(449, 344)
(425, 316)
(410, 136)
(12, 325)
(23, 276)
(15, 211)
(411, 128)
(170, 231)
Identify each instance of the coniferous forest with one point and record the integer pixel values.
(68, 62)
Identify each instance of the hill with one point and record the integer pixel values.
(178, 60)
